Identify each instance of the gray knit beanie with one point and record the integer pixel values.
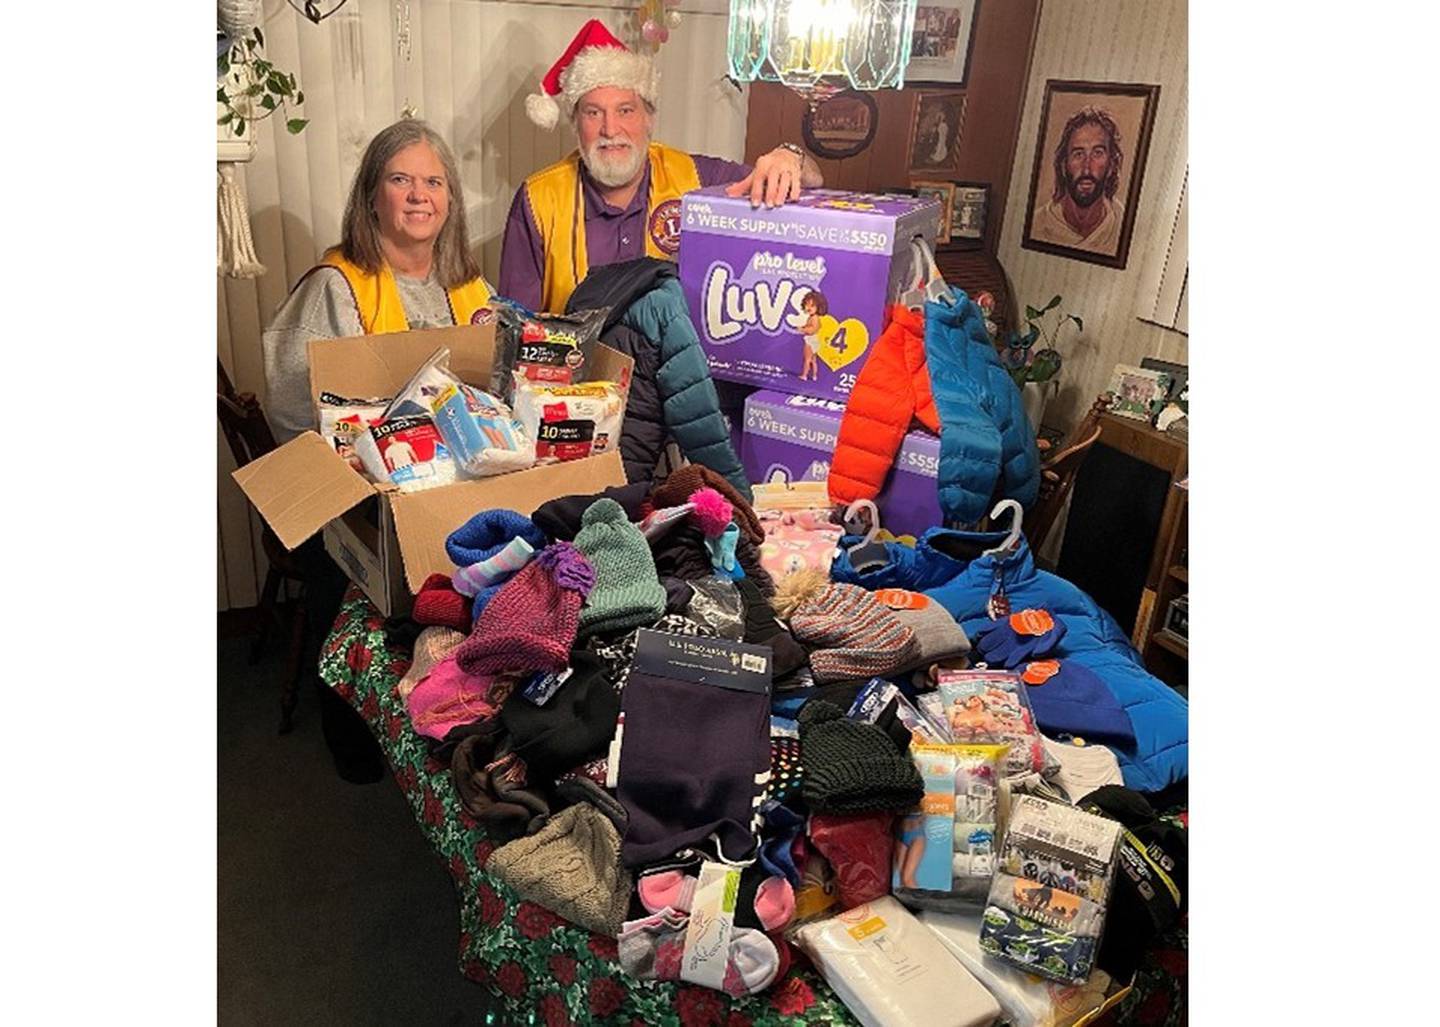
(627, 592)
(938, 636)
(571, 866)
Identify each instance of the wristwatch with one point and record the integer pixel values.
(796, 150)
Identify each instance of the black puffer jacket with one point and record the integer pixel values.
(675, 362)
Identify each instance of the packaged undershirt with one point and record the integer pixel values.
(569, 422)
(407, 452)
(344, 420)
(892, 971)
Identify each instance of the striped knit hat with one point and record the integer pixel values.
(852, 634)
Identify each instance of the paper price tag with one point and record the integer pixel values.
(712, 919)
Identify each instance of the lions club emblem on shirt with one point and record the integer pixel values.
(665, 226)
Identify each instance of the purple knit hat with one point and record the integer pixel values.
(530, 625)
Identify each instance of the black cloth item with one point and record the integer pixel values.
(678, 594)
(688, 762)
(490, 781)
(852, 767)
(762, 628)
(681, 553)
(560, 518)
(573, 726)
(617, 286)
(1149, 894)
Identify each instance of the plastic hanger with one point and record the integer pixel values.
(869, 553)
(929, 283)
(1012, 539)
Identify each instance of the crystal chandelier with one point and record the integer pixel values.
(818, 47)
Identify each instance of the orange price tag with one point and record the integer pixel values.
(1031, 622)
(1040, 672)
(901, 599)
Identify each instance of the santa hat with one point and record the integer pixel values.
(594, 58)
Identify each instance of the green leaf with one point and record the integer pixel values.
(277, 84)
(1031, 313)
(294, 84)
(1078, 323)
(220, 96)
(223, 67)
(225, 118)
(254, 90)
(259, 36)
(268, 102)
(1055, 302)
(239, 126)
(299, 97)
(296, 125)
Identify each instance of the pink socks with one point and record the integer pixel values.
(653, 948)
(771, 898)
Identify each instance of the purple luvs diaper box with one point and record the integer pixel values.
(792, 297)
(791, 438)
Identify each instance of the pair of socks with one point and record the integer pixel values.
(764, 902)
(653, 949)
(494, 570)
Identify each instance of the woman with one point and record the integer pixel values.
(402, 264)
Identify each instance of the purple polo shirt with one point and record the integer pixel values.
(612, 235)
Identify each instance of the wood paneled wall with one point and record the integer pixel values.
(995, 93)
(472, 64)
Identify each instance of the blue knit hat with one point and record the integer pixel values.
(484, 535)
(1069, 699)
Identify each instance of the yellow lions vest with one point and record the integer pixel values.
(378, 299)
(559, 209)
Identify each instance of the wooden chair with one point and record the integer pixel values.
(1057, 475)
(249, 436)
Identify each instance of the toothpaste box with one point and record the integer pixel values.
(791, 298)
(792, 438)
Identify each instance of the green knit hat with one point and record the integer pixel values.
(627, 592)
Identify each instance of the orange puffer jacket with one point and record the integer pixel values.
(893, 387)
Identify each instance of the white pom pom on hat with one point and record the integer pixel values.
(593, 59)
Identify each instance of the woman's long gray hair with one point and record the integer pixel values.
(360, 232)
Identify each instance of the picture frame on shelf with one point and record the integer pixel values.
(945, 193)
(1179, 374)
(941, 42)
(967, 219)
(1137, 393)
(936, 127)
(1089, 164)
(842, 126)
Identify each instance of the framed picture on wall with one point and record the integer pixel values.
(941, 41)
(945, 193)
(967, 220)
(1089, 163)
(935, 131)
(841, 126)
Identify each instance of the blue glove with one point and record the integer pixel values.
(722, 550)
(1022, 636)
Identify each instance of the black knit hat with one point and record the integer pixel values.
(852, 767)
(574, 725)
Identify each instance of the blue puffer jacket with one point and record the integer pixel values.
(948, 566)
(985, 439)
(688, 397)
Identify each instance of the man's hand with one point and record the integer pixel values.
(777, 179)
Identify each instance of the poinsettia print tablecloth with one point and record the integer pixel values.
(543, 968)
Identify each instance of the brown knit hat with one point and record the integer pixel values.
(682, 484)
(852, 635)
(571, 866)
(431, 646)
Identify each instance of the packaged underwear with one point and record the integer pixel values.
(406, 451)
(549, 349)
(343, 420)
(569, 422)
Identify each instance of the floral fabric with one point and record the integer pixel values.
(546, 970)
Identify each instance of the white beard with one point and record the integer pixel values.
(613, 168)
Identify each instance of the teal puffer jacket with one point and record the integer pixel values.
(687, 393)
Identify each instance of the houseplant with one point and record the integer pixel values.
(1035, 370)
(250, 87)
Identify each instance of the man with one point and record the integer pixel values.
(1083, 211)
(618, 196)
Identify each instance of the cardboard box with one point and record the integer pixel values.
(387, 541)
(792, 438)
(746, 273)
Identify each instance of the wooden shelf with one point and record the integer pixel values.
(1165, 641)
(1180, 573)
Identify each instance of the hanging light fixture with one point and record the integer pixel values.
(817, 47)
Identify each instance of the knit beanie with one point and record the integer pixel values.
(938, 636)
(530, 624)
(437, 603)
(560, 518)
(574, 725)
(484, 535)
(571, 866)
(434, 644)
(851, 633)
(1071, 699)
(627, 592)
(682, 483)
(852, 767)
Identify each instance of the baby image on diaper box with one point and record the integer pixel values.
(792, 297)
